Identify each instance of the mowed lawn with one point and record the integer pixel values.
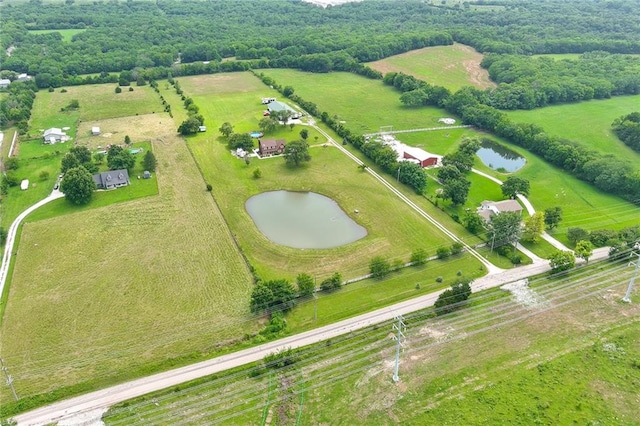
(452, 66)
(588, 123)
(103, 295)
(394, 230)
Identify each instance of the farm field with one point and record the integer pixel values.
(36, 158)
(125, 289)
(587, 123)
(66, 34)
(394, 230)
(556, 362)
(452, 66)
(583, 205)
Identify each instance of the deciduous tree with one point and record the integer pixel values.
(274, 295)
(503, 228)
(513, 186)
(379, 267)
(584, 250)
(418, 257)
(296, 152)
(305, 284)
(561, 261)
(226, 129)
(552, 217)
(533, 227)
(78, 185)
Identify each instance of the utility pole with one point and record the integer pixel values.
(627, 296)
(9, 379)
(399, 338)
(315, 300)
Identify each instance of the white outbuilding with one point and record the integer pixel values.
(95, 131)
(24, 185)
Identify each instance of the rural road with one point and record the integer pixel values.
(13, 230)
(107, 397)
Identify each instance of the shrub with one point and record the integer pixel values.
(209, 187)
(118, 89)
(439, 279)
(379, 267)
(418, 257)
(456, 248)
(257, 173)
(443, 252)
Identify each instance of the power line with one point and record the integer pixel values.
(627, 296)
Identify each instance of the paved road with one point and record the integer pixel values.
(13, 230)
(115, 394)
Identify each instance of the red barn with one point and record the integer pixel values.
(423, 158)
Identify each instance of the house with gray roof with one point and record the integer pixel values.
(112, 179)
(276, 106)
(490, 208)
(53, 135)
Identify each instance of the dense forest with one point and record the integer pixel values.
(115, 36)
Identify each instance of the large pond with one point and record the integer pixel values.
(500, 158)
(303, 220)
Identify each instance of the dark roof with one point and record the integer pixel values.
(270, 144)
(111, 178)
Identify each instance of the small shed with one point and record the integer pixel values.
(95, 131)
(202, 128)
(24, 185)
(146, 174)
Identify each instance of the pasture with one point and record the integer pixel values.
(587, 123)
(66, 34)
(127, 288)
(452, 66)
(339, 93)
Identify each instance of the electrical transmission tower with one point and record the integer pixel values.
(399, 338)
(627, 296)
(9, 379)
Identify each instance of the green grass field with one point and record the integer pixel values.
(588, 123)
(105, 109)
(394, 231)
(452, 66)
(339, 93)
(122, 289)
(66, 34)
(574, 363)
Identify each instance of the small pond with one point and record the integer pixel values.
(303, 220)
(499, 157)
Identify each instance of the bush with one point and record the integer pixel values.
(456, 248)
(209, 187)
(443, 252)
(439, 279)
(418, 257)
(516, 259)
(118, 89)
(602, 237)
(451, 299)
(44, 175)
(379, 267)
(257, 173)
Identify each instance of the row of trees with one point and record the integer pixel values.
(452, 174)
(15, 108)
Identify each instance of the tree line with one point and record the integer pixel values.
(605, 172)
(627, 129)
(117, 36)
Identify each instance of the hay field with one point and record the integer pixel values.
(113, 130)
(394, 230)
(102, 295)
(452, 66)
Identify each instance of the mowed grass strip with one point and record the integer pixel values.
(452, 66)
(101, 293)
(587, 123)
